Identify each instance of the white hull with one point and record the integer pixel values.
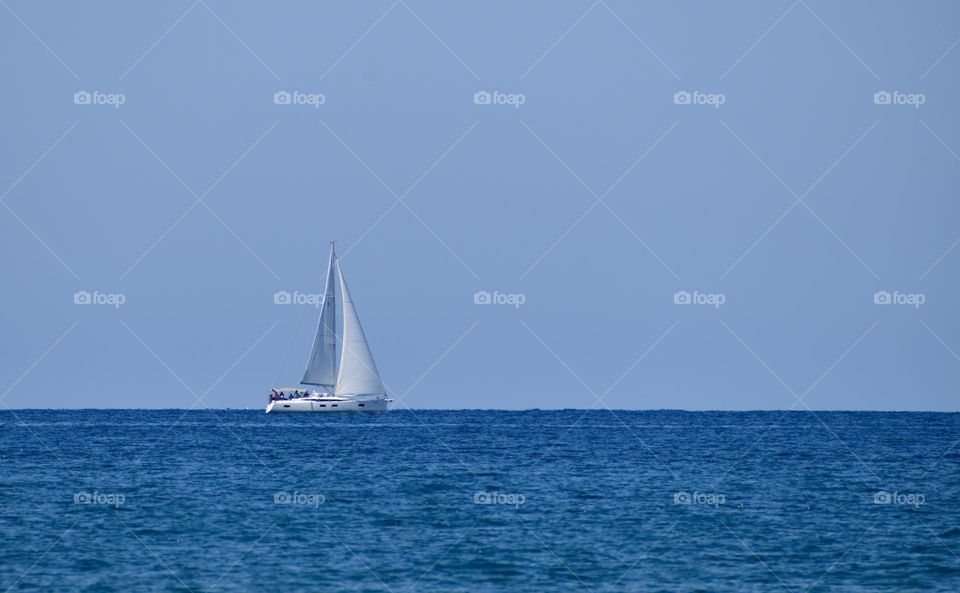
(328, 404)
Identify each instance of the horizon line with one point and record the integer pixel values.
(408, 408)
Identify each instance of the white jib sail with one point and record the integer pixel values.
(358, 373)
(321, 366)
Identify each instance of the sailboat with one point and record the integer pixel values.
(352, 386)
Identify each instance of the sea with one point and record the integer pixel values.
(476, 501)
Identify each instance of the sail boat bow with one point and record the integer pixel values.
(352, 385)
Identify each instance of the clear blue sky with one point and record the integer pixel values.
(504, 198)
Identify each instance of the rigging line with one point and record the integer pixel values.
(286, 354)
(296, 330)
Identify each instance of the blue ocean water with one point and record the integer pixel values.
(133, 500)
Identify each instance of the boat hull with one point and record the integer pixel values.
(285, 406)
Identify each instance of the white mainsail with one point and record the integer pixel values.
(358, 373)
(321, 366)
